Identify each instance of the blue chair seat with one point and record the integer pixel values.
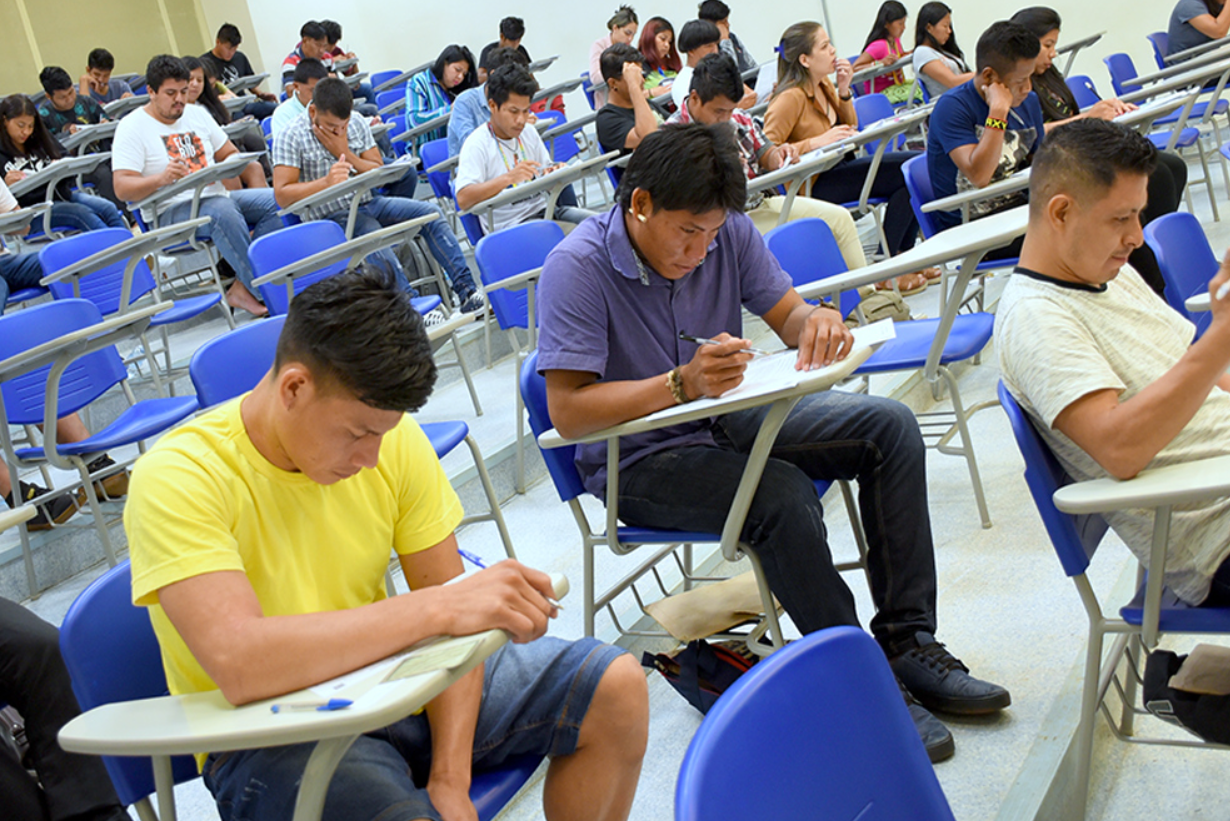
(444, 436)
(490, 790)
(136, 423)
(424, 304)
(1177, 615)
(969, 335)
(1187, 138)
(1198, 111)
(182, 309)
(26, 294)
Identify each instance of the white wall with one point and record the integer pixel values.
(404, 34)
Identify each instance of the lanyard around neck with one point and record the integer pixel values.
(500, 149)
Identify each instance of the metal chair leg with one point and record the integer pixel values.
(493, 502)
(465, 374)
(967, 446)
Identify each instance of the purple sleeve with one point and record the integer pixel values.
(763, 283)
(572, 313)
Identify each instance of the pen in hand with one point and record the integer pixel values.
(699, 340)
(477, 561)
(1223, 291)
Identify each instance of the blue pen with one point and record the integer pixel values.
(481, 565)
(320, 706)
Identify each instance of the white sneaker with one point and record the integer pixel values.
(434, 318)
(473, 303)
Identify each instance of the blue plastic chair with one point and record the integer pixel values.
(807, 251)
(506, 253)
(112, 654)
(432, 153)
(267, 131)
(384, 98)
(1186, 261)
(234, 363)
(1122, 73)
(871, 108)
(105, 287)
(816, 732)
(1083, 89)
(561, 466)
(25, 295)
(379, 78)
(83, 381)
(1076, 540)
(1160, 41)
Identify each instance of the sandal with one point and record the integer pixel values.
(932, 274)
(907, 284)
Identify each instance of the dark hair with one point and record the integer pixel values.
(1003, 45)
(455, 54)
(1040, 20)
(930, 14)
(1214, 7)
(687, 167)
(163, 67)
(510, 79)
(1057, 100)
(504, 57)
(650, 49)
(713, 11)
(1087, 155)
(309, 69)
(890, 12)
(333, 96)
(612, 60)
(333, 31)
(360, 331)
(54, 78)
(796, 41)
(209, 95)
(717, 75)
(100, 58)
(697, 33)
(622, 17)
(229, 33)
(312, 30)
(39, 144)
(512, 28)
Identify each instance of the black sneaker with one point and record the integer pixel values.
(473, 303)
(941, 682)
(54, 511)
(935, 736)
(114, 486)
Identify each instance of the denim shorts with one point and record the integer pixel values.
(534, 699)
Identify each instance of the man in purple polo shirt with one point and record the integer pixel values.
(675, 255)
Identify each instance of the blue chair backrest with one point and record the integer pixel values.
(381, 77)
(807, 251)
(871, 108)
(397, 124)
(112, 655)
(1186, 261)
(562, 147)
(1122, 72)
(559, 461)
(385, 98)
(227, 365)
(434, 152)
(918, 183)
(587, 88)
(509, 252)
(102, 287)
(820, 729)
(1083, 89)
(1160, 40)
(1075, 538)
(84, 380)
(281, 248)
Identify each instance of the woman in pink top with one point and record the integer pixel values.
(884, 47)
(623, 27)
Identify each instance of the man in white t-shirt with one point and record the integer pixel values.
(1109, 371)
(166, 140)
(505, 153)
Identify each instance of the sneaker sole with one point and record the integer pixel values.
(942, 751)
(965, 707)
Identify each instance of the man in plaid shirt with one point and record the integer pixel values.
(714, 97)
(326, 146)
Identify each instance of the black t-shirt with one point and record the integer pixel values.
(613, 124)
(228, 71)
(30, 163)
(490, 47)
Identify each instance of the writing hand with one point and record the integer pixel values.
(339, 172)
(715, 369)
(508, 596)
(523, 171)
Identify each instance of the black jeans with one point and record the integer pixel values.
(844, 183)
(34, 681)
(830, 435)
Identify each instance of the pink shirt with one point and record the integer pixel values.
(881, 51)
(595, 69)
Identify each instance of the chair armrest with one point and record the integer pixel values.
(51, 175)
(516, 282)
(140, 245)
(356, 185)
(421, 128)
(232, 166)
(12, 518)
(92, 338)
(1159, 487)
(15, 221)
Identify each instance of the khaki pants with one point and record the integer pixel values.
(838, 219)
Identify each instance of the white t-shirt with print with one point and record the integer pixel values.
(7, 201)
(484, 157)
(1057, 344)
(145, 145)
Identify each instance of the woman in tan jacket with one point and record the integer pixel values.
(809, 111)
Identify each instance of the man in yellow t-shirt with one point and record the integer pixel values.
(259, 536)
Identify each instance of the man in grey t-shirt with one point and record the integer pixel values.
(1196, 22)
(1108, 371)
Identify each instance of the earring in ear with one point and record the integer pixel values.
(641, 218)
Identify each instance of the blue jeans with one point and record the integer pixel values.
(381, 212)
(260, 109)
(85, 213)
(830, 435)
(535, 697)
(230, 220)
(18, 271)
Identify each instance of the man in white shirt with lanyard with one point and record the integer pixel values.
(166, 140)
(505, 153)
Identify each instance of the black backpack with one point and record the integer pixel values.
(701, 672)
